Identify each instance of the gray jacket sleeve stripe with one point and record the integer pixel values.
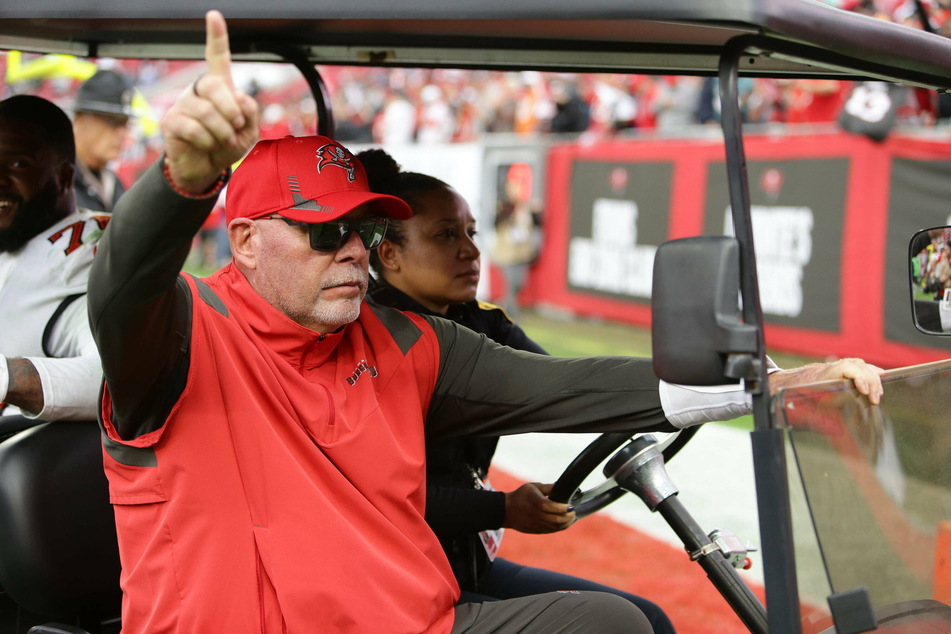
(404, 331)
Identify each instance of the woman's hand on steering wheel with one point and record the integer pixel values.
(528, 510)
(567, 489)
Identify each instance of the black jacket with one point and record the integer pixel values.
(87, 193)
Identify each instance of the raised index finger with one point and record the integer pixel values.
(217, 48)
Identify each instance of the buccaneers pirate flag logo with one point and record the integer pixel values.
(331, 154)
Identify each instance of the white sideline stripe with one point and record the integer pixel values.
(714, 473)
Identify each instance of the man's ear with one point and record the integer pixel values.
(65, 178)
(388, 253)
(240, 233)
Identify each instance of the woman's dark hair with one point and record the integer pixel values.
(385, 176)
(49, 119)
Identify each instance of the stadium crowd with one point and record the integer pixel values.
(444, 106)
(392, 106)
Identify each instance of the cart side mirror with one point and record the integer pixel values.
(929, 277)
(696, 327)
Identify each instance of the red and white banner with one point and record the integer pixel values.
(832, 217)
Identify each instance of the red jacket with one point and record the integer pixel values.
(357, 505)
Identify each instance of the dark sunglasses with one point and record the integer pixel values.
(330, 236)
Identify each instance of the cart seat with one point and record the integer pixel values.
(59, 557)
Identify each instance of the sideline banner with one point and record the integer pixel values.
(832, 216)
(797, 230)
(619, 216)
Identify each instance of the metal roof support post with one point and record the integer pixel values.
(769, 457)
(298, 57)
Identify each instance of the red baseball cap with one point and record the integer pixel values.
(308, 179)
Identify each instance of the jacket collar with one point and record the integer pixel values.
(297, 344)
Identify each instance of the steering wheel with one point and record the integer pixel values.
(566, 488)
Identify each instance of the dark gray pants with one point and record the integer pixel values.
(552, 613)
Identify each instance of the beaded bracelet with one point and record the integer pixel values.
(218, 185)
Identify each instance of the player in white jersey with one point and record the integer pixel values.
(49, 365)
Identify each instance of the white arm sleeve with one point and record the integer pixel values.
(70, 382)
(687, 405)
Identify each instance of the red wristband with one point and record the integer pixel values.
(214, 190)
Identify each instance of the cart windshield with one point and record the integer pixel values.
(871, 491)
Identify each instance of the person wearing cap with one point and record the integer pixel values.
(102, 111)
(264, 428)
(49, 364)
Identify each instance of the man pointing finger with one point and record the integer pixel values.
(214, 124)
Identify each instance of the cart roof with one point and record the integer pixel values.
(791, 37)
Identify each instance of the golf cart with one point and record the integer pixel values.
(874, 544)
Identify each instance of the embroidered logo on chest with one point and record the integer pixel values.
(362, 367)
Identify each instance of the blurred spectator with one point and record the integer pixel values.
(814, 100)
(499, 103)
(436, 119)
(572, 113)
(354, 127)
(352, 109)
(677, 102)
(533, 104)
(302, 116)
(918, 14)
(871, 109)
(274, 122)
(645, 90)
(396, 123)
(708, 102)
(468, 125)
(613, 108)
(102, 110)
(517, 233)
(761, 100)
